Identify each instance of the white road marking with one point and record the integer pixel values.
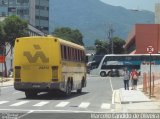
(23, 110)
(19, 103)
(62, 104)
(2, 102)
(111, 83)
(113, 97)
(41, 103)
(16, 92)
(84, 105)
(25, 114)
(105, 106)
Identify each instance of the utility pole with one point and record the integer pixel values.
(110, 37)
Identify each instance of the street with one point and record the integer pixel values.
(99, 97)
(95, 98)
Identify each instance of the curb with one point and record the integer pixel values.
(117, 101)
(6, 82)
(6, 86)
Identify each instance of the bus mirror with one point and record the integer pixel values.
(86, 59)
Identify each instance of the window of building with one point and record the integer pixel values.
(42, 18)
(22, 1)
(3, 2)
(12, 2)
(4, 14)
(11, 9)
(22, 11)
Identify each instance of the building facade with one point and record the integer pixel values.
(157, 13)
(36, 12)
(142, 36)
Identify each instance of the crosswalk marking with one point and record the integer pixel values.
(62, 104)
(84, 105)
(105, 106)
(2, 102)
(19, 103)
(41, 103)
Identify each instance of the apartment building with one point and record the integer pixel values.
(36, 12)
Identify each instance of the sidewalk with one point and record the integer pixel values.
(6, 82)
(135, 101)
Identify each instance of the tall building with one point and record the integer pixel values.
(3, 8)
(143, 36)
(36, 12)
(157, 13)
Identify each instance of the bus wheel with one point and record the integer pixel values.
(82, 85)
(79, 91)
(110, 73)
(30, 94)
(68, 89)
(103, 74)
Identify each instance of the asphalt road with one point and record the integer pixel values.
(95, 98)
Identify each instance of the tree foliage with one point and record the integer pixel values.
(69, 34)
(10, 29)
(118, 45)
(14, 27)
(104, 47)
(2, 34)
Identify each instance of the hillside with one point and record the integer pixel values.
(92, 17)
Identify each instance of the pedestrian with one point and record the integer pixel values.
(126, 79)
(134, 78)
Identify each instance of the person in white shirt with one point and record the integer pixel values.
(126, 79)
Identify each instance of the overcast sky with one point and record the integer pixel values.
(134, 4)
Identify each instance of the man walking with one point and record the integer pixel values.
(126, 79)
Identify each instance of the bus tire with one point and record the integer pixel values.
(79, 91)
(68, 88)
(82, 85)
(30, 94)
(110, 73)
(102, 73)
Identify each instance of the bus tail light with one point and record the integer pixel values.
(54, 73)
(17, 73)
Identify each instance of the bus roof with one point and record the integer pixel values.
(59, 39)
(69, 43)
(131, 55)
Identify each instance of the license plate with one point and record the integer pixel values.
(36, 86)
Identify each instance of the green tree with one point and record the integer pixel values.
(118, 45)
(69, 34)
(14, 27)
(104, 47)
(2, 45)
(2, 35)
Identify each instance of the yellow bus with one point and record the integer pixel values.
(44, 64)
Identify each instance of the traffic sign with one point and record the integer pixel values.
(150, 49)
(2, 59)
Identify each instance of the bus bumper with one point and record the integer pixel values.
(36, 86)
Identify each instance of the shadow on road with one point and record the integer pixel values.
(54, 96)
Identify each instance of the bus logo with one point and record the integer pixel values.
(39, 54)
